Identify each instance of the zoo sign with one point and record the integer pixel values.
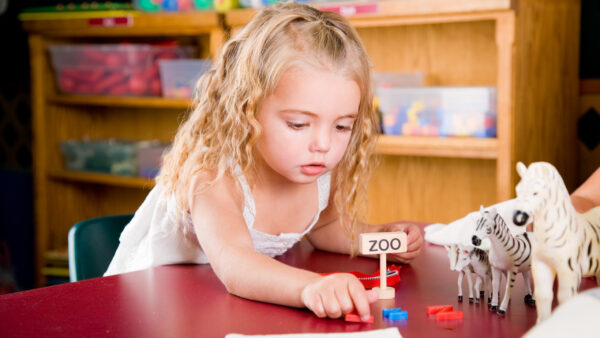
(382, 242)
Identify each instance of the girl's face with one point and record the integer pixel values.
(307, 123)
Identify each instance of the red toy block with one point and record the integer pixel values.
(433, 309)
(449, 315)
(353, 317)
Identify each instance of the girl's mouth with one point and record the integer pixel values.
(313, 169)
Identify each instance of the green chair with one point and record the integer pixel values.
(92, 244)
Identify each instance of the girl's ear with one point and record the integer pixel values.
(521, 169)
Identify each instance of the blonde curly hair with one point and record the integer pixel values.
(222, 128)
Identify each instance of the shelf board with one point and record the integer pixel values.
(55, 272)
(139, 24)
(57, 257)
(400, 12)
(104, 179)
(114, 101)
(454, 147)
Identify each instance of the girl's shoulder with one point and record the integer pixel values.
(207, 190)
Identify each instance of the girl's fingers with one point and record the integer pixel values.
(330, 304)
(372, 296)
(361, 300)
(404, 257)
(314, 303)
(344, 301)
(317, 308)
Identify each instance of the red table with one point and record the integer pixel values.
(189, 301)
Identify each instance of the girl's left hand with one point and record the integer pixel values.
(414, 239)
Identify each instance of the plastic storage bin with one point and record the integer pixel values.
(394, 80)
(438, 111)
(119, 70)
(149, 158)
(105, 156)
(179, 77)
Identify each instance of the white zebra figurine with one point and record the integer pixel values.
(467, 260)
(476, 260)
(567, 244)
(508, 254)
(453, 255)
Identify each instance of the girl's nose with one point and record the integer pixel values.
(321, 141)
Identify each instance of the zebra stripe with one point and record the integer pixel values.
(521, 243)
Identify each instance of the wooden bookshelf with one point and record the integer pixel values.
(63, 198)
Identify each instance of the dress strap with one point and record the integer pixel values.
(249, 212)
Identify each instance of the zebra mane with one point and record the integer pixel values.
(546, 174)
(499, 220)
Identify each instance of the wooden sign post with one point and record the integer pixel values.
(383, 243)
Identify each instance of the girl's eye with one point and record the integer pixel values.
(343, 128)
(296, 125)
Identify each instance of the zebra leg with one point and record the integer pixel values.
(469, 284)
(460, 277)
(567, 286)
(496, 279)
(511, 276)
(489, 287)
(477, 288)
(543, 280)
(529, 300)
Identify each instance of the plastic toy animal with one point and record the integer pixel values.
(567, 244)
(477, 261)
(508, 254)
(467, 260)
(453, 254)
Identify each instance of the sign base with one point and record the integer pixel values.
(385, 293)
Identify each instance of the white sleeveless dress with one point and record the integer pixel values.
(152, 237)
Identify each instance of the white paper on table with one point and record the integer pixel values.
(577, 317)
(390, 332)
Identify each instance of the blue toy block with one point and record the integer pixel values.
(398, 315)
(387, 312)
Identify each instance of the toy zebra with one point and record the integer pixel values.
(567, 243)
(508, 253)
(467, 260)
(453, 255)
(476, 260)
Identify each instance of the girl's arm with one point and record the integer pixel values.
(329, 235)
(225, 239)
(587, 195)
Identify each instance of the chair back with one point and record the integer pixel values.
(92, 244)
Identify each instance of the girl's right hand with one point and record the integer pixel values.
(337, 294)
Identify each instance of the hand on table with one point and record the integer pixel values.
(414, 239)
(336, 295)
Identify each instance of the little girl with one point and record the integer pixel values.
(277, 148)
